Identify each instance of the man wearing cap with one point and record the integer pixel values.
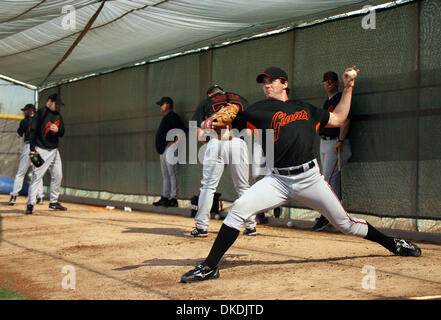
(167, 150)
(24, 164)
(46, 130)
(295, 175)
(221, 150)
(335, 149)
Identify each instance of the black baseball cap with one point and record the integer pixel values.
(273, 73)
(55, 97)
(165, 100)
(28, 106)
(214, 87)
(330, 75)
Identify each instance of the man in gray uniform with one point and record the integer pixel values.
(335, 149)
(24, 164)
(220, 151)
(295, 175)
(46, 130)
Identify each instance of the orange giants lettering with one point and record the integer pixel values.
(281, 119)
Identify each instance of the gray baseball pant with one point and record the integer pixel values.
(219, 153)
(169, 170)
(329, 162)
(52, 162)
(308, 187)
(23, 166)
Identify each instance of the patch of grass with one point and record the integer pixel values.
(6, 294)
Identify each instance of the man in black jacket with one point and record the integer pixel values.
(167, 151)
(24, 164)
(46, 130)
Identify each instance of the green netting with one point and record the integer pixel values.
(10, 147)
(111, 120)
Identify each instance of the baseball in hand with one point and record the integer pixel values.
(352, 73)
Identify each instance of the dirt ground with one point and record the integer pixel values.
(112, 254)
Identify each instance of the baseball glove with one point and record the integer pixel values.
(223, 117)
(36, 159)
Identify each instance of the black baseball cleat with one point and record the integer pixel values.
(250, 232)
(40, 201)
(12, 200)
(56, 206)
(161, 202)
(198, 233)
(172, 203)
(406, 248)
(261, 219)
(276, 212)
(29, 209)
(200, 273)
(320, 224)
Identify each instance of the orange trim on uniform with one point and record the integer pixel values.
(317, 127)
(349, 217)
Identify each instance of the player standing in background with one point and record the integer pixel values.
(46, 129)
(219, 152)
(335, 149)
(167, 150)
(23, 166)
(296, 175)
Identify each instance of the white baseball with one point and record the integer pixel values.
(353, 73)
(289, 224)
(217, 216)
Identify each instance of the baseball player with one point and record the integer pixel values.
(167, 150)
(219, 152)
(24, 164)
(46, 129)
(335, 149)
(295, 174)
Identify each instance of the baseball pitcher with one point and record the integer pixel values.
(295, 175)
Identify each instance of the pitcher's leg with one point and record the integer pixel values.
(265, 194)
(316, 193)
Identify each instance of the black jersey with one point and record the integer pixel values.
(40, 134)
(330, 105)
(24, 128)
(295, 125)
(214, 103)
(170, 121)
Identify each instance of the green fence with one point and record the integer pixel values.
(395, 170)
